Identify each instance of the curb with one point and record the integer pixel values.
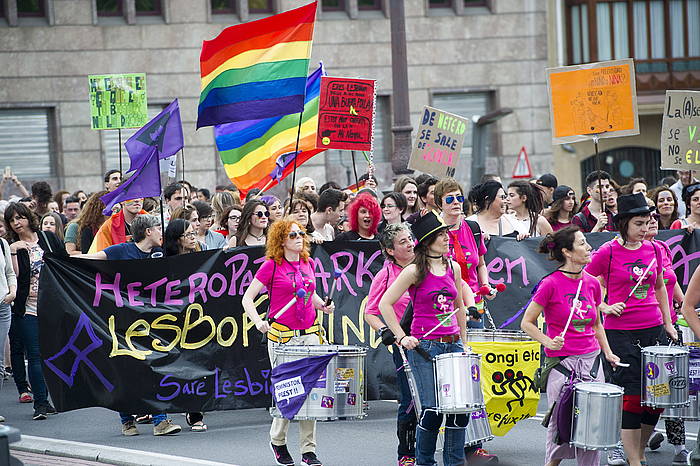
(104, 454)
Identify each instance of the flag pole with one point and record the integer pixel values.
(354, 169)
(182, 152)
(296, 153)
(121, 171)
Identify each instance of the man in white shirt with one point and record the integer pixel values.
(331, 204)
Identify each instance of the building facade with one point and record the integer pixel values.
(469, 57)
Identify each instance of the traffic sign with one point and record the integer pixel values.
(522, 165)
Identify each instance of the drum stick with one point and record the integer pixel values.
(442, 321)
(641, 279)
(299, 294)
(336, 275)
(411, 383)
(573, 308)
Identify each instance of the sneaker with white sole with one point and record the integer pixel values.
(616, 456)
(282, 456)
(681, 459)
(655, 441)
(166, 427)
(129, 429)
(310, 459)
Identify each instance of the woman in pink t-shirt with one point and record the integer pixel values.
(576, 343)
(286, 271)
(632, 271)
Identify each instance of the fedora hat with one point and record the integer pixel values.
(630, 205)
(427, 225)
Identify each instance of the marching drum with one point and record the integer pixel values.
(597, 416)
(665, 376)
(687, 413)
(340, 391)
(504, 335)
(458, 383)
(478, 430)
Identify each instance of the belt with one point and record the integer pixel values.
(280, 333)
(445, 338)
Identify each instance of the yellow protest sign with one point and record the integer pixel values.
(506, 380)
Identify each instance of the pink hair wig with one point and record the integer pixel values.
(370, 203)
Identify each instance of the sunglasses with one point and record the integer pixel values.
(294, 234)
(262, 214)
(451, 199)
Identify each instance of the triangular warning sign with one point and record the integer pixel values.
(522, 165)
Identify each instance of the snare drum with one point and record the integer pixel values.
(340, 391)
(665, 376)
(687, 413)
(504, 335)
(478, 430)
(458, 383)
(597, 416)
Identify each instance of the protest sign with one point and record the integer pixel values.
(438, 142)
(176, 325)
(118, 101)
(680, 134)
(346, 114)
(593, 98)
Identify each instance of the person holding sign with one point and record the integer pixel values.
(632, 271)
(595, 216)
(438, 327)
(288, 274)
(571, 302)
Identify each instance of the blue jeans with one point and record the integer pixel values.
(475, 323)
(5, 320)
(431, 420)
(24, 336)
(157, 418)
(406, 417)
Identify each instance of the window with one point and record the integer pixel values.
(29, 8)
(147, 7)
(25, 142)
(219, 7)
(333, 5)
(109, 8)
(110, 142)
(466, 104)
(369, 4)
(440, 3)
(260, 6)
(468, 3)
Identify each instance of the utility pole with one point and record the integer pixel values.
(401, 124)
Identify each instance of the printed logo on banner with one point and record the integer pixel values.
(289, 388)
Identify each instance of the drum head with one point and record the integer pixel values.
(670, 350)
(598, 387)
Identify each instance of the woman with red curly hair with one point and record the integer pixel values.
(286, 271)
(364, 214)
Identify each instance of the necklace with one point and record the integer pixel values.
(571, 271)
(434, 257)
(257, 237)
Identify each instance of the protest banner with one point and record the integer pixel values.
(593, 98)
(438, 142)
(118, 101)
(680, 135)
(170, 335)
(346, 114)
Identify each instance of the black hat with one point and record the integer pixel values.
(630, 205)
(548, 180)
(561, 192)
(427, 225)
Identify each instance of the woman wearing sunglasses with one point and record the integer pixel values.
(563, 208)
(252, 227)
(286, 271)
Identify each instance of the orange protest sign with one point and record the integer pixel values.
(595, 98)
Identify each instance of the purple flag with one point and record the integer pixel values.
(164, 132)
(281, 164)
(145, 182)
(292, 382)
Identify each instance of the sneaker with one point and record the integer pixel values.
(129, 429)
(50, 409)
(681, 459)
(2, 419)
(26, 397)
(655, 441)
(616, 456)
(282, 456)
(310, 458)
(166, 428)
(481, 456)
(39, 413)
(407, 461)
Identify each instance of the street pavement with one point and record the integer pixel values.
(241, 438)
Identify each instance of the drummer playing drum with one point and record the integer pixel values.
(438, 327)
(578, 341)
(632, 270)
(286, 271)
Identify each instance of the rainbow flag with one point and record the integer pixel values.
(260, 153)
(256, 70)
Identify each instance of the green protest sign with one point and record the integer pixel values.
(118, 101)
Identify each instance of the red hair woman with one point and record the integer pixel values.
(364, 214)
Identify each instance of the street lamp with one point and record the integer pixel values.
(479, 124)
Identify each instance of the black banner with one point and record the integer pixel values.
(170, 335)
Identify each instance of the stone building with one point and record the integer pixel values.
(468, 57)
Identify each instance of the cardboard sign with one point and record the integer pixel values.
(595, 98)
(680, 133)
(438, 142)
(118, 101)
(345, 114)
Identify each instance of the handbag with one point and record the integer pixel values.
(565, 412)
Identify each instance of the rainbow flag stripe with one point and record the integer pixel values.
(256, 70)
(250, 150)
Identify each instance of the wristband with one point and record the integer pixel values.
(399, 341)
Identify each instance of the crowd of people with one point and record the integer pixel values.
(433, 234)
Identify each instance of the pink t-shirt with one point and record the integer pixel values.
(556, 295)
(381, 282)
(670, 278)
(472, 253)
(288, 278)
(433, 300)
(625, 268)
